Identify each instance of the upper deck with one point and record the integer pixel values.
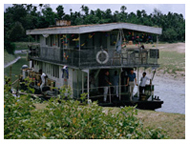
(96, 58)
(94, 46)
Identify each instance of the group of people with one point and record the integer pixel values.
(131, 82)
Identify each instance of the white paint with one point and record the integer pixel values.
(30, 64)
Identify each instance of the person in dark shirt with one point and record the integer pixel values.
(131, 81)
(107, 83)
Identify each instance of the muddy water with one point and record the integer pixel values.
(172, 92)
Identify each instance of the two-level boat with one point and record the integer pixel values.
(79, 55)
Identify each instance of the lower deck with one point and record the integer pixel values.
(91, 81)
(123, 100)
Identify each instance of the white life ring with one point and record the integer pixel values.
(106, 57)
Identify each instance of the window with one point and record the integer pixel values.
(51, 40)
(113, 39)
(56, 71)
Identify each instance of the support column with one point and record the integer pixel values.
(82, 82)
(138, 81)
(156, 47)
(120, 84)
(88, 86)
(79, 50)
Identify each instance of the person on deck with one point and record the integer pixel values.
(131, 81)
(143, 84)
(116, 83)
(142, 47)
(107, 83)
(43, 79)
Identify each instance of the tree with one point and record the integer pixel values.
(17, 32)
(8, 45)
(123, 9)
(60, 12)
(29, 18)
(85, 9)
(49, 15)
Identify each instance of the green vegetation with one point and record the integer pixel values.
(173, 124)
(15, 69)
(22, 17)
(67, 119)
(171, 61)
(8, 57)
(22, 45)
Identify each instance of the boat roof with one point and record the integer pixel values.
(81, 29)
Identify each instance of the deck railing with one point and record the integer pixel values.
(98, 57)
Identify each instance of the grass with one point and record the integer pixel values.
(171, 61)
(15, 69)
(22, 45)
(8, 57)
(173, 124)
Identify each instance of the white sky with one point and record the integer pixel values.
(149, 8)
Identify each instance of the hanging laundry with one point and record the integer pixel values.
(77, 39)
(90, 36)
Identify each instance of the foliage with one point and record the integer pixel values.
(16, 32)
(173, 24)
(8, 57)
(9, 46)
(68, 119)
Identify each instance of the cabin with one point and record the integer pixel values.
(79, 55)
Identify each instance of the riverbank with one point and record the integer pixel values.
(15, 69)
(172, 124)
(8, 57)
(12, 62)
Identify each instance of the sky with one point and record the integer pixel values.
(149, 8)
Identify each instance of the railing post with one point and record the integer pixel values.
(120, 84)
(82, 82)
(79, 50)
(110, 94)
(88, 86)
(138, 81)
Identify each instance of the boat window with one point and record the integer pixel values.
(56, 71)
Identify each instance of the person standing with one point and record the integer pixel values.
(116, 83)
(143, 84)
(107, 83)
(43, 79)
(131, 81)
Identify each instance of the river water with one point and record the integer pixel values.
(172, 92)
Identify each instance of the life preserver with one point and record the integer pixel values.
(106, 57)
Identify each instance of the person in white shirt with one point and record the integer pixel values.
(143, 84)
(43, 79)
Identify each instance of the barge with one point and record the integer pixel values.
(78, 56)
